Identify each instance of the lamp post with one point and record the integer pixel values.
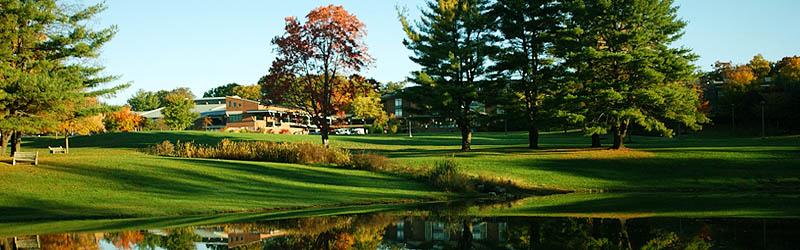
(763, 123)
(409, 128)
(733, 118)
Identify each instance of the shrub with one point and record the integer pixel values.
(164, 148)
(447, 176)
(302, 153)
(370, 162)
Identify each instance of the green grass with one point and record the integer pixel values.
(117, 183)
(645, 205)
(689, 163)
(105, 176)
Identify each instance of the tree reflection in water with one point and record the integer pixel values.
(429, 230)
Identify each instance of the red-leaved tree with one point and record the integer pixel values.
(312, 60)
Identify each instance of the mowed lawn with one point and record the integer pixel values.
(686, 163)
(120, 182)
(107, 175)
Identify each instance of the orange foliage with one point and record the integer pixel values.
(789, 68)
(126, 240)
(739, 78)
(313, 57)
(69, 241)
(124, 120)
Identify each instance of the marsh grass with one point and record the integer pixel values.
(282, 152)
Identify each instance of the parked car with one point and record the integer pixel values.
(358, 131)
(314, 130)
(342, 131)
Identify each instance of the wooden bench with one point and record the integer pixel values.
(25, 157)
(57, 150)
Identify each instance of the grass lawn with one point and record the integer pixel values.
(689, 163)
(105, 176)
(118, 182)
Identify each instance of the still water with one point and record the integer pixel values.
(396, 231)
(432, 227)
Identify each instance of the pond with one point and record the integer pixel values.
(454, 225)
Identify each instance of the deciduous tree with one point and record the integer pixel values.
(222, 91)
(311, 58)
(177, 110)
(760, 66)
(123, 120)
(144, 101)
(452, 43)
(789, 69)
(739, 79)
(250, 92)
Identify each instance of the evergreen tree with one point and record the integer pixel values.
(528, 29)
(452, 43)
(626, 71)
(43, 77)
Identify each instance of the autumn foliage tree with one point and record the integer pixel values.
(123, 120)
(311, 59)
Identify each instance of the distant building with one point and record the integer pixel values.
(233, 113)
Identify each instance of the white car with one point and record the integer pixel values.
(341, 131)
(358, 131)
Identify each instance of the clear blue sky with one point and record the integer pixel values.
(201, 44)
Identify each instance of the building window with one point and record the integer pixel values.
(398, 107)
(235, 118)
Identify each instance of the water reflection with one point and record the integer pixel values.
(435, 231)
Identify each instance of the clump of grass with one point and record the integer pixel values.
(371, 162)
(447, 176)
(165, 148)
(302, 153)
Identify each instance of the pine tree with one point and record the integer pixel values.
(626, 70)
(452, 43)
(529, 29)
(43, 77)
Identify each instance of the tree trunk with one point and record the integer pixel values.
(325, 131)
(619, 135)
(466, 137)
(16, 142)
(66, 143)
(5, 137)
(533, 137)
(596, 141)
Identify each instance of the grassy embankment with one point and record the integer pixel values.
(105, 176)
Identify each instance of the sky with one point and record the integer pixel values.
(202, 44)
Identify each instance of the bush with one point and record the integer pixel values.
(370, 162)
(447, 176)
(164, 148)
(302, 153)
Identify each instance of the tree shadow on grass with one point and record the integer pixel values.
(216, 183)
(770, 171)
(660, 204)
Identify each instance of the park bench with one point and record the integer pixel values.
(57, 150)
(25, 156)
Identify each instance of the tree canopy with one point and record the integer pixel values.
(312, 58)
(46, 76)
(452, 43)
(222, 91)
